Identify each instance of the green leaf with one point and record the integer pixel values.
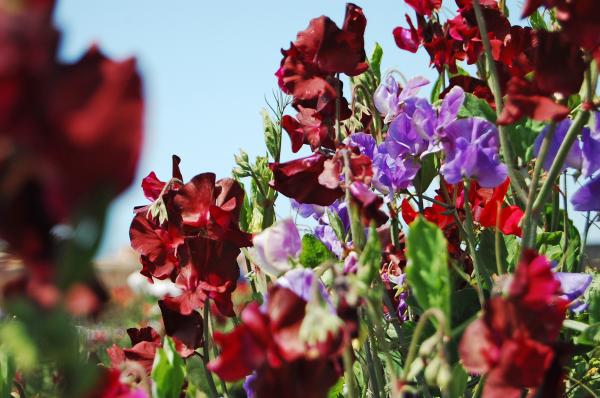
(314, 252)
(475, 106)
(337, 225)
(594, 307)
(590, 336)
(168, 371)
(427, 268)
(522, 136)
(458, 382)
(512, 251)
(429, 170)
(370, 258)
(375, 62)
(537, 21)
(7, 373)
(337, 391)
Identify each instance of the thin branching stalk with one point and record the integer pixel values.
(206, 351)
(469, 230)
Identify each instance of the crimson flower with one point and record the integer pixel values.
(513, 342)
(299, 179)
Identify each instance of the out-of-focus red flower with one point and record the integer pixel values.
(299, 179)
(58, 122)
(111, 386)
(268, 343)
(144, 343)
(513, 343)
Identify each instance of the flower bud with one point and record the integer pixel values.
(444, 376)
(432, 370)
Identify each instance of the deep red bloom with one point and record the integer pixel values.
(268, 343)
(308, 128)
(111, 386)
(144, 343)
(186, 330)
(513, 342)
(299, 179)
(368, 203)
(477, 87)
(407, 39)
(491, 213)
(209, 271)
(424, 7)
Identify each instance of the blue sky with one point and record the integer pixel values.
(207, 67)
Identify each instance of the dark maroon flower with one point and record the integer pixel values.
(472, 85)
(186, 330)
(369, 204)
(299, 179)
(144, 343)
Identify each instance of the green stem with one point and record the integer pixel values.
(375, 389)
(206, 351)
(586, 231)
(469, 229)
(580, 384)
(349, 372)
(497, 245)
(516, 180)
(530, 221)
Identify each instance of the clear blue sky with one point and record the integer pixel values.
(207, 66)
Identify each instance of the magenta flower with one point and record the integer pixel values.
(276, 245)
(471, 149)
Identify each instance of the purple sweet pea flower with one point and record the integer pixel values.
(388, 97)
(276, 245)
(574, 157)
(393, 173)
(300, 281)
(307, 210)
(471, 149)
(248, 385)
(365, 143)
(326, 235)
(591, 147)
(587, 198)
(573, 286)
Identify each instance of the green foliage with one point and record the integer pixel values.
(7, 373)
(594, 305)
(428, 171)
(337, 225)
(537, 21)
(375, 62)
(337, 391)
(487, 254)
(436, 90)
(564, 249)
(314, 252)
(458, 382)
(427, 269)
(522, 135)
(370, 258)
(475, 106)
(168, 371)
(272, 135)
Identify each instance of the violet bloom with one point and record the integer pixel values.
(471, 149)
(587, 198)
(393, 174)
(276, 245)
(248, 385)
(365, 143)
(389, 98)
(302, 281)
(574, 157)
(573, 286)
(326, 234)
(307, 210)
(591, 147)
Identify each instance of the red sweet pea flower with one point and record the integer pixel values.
(407, 39)
(299, 179)
(477, 87)
(268, 343)
(308, 128)
(369, 204)
(491, 213)
(513, 343)
(186, 330)
(424, 7)
(144, 343)
(111, 386)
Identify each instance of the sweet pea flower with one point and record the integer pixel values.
(365, 143)
(574, 157)
(471, 149)
(587, 198)
(301, 281)
(591, 147)
(276, 245)
(389, 98)
(573, 286)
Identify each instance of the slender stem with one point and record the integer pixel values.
(206, 351)
(349, 376)
(559, 160)
(338, 130)
(371, 369)
(395, 226)
(469, 229)
(355, 224)
(530, 220)
(497, 244)
(515, 178)
(588, 224)
(580, 384)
